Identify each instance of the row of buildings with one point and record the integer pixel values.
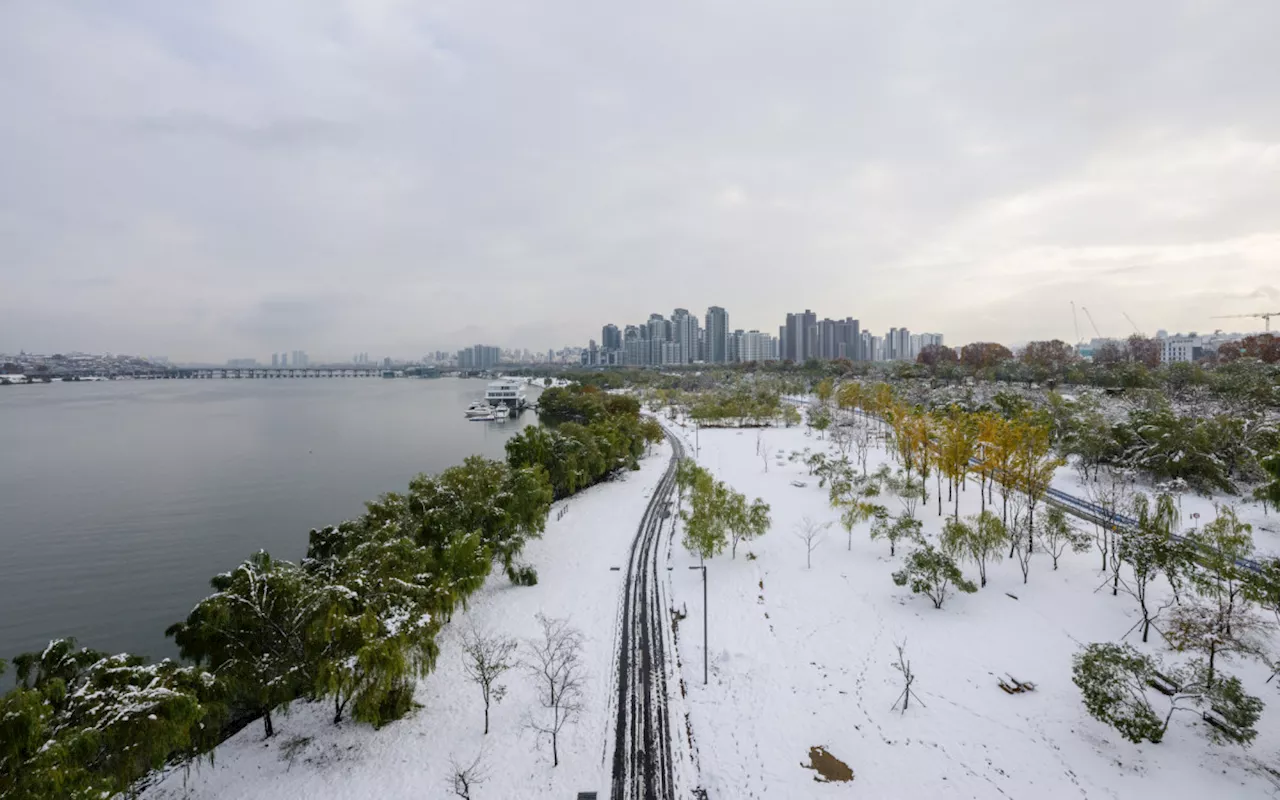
(684, 338)
(1174, 347)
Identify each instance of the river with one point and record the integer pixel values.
(119, 500)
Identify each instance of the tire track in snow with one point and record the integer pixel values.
(643, 766)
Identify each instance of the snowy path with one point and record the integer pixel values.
(643, 759)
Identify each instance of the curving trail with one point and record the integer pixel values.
(643, 767)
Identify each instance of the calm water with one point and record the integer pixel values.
(118, 501)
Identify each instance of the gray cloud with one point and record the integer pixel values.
(393, 177)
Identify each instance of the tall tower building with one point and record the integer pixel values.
(798, 336)
(717, 335)
(610, 337)
(684, 332)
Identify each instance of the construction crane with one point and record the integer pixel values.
(1134, 324)
(1091, 322)
(1265, 315)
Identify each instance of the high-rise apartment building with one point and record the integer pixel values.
(757, 346)
(610, 337)
(848, 339)
(685, 333)
(797, 339)
(481, 357)
(717, 335)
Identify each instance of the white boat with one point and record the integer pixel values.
(508, 394)
(479, 409)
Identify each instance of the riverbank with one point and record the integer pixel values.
(410, 758)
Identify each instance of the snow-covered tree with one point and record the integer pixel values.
(896, 529)
(252, 633)
(1216, 631)
(931, 572)
(90, 731)
(383, 598)
(1220, 548)
(486, 658)
(811, 533)
(465, 778)
(706, 519)
(1114, 679)
(506, 506)
(746, 522)
(1113, 682)
(1149, 549)
(555, 664)
(980, 539)
(1057, 535)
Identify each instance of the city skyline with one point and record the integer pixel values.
(679, 340)
(216, 180)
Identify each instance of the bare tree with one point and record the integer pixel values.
(556, 666)
(485, 658)
(463, 779)
(903, 666)
(842, 437)
(765, 453)
(812, 534)
(862, 437)
(1019, 545)
(1111, 491)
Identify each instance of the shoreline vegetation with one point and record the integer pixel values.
(354, 623)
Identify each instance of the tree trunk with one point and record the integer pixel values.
(1031, 526)
(555, 750)
(267, 728)
(486, 713)
(1213, 652)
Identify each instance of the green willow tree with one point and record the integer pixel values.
(252, 633)
(383, 598)
(81, 728)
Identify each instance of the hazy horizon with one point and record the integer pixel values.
(396, 178)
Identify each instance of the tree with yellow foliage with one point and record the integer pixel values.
(958, 439)
(1033, 465)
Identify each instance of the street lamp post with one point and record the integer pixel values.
(704, 622)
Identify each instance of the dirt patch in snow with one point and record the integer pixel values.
(828, 767)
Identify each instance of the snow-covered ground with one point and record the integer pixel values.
(410, 758)
(803, 657)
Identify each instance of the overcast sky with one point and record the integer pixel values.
(221, 179)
